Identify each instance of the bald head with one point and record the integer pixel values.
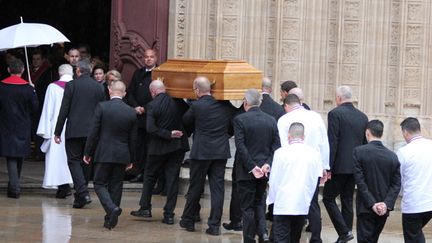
(297, 91)
(202, 86)
(117, 88)
(157, 87)
(266, 85)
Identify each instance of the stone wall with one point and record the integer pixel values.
(381, 48)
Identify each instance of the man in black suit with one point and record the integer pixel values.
(378, 182)
(209, 154)
(138, 97)
(167, 144)
(287, 88)
(80, 98)
(272, 108)
(111, 145)
(346, 130)
(256, 138)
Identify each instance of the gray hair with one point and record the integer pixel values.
(253, 97)
(266, 83)
(157, 84)
(202, 84)
(344, 92)
(297, 91)
(65, 69)
(84, 66)
(118, 87)
(296, 130)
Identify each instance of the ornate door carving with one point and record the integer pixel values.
(135, 26)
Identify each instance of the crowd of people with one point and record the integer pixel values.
(88, 124)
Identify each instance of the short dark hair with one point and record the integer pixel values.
(411, 125)
(288, 85)
(99, 66)
(38, 52)
(16, 66)
(291, 99)
(376, 128)
(85, 46)
(84, 66)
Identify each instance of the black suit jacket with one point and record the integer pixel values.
(256, 139)
(212, 121)
(346, 130)
(271, 107)
(377, 176)
(163, 116)
(112, 137)
(138, 93)
(80, 98)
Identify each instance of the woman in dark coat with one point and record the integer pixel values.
(18, 102)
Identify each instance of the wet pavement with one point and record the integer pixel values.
(39, 217)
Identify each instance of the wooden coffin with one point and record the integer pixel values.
(230, 79)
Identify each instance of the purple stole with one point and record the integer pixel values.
(61, 84)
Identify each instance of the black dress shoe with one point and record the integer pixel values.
(80, 202)
(13, 195)
(142, 213)
(197, 219)
(188, 227)
(113, 218)
(233, 226)
(138, 178)
(63, 192)
(213, 231)
(264, 238)
(345, 237)
(168, 220)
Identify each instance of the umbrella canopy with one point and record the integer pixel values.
(30, 35)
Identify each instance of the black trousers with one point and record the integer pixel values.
(14, 166)
(412, 224)
(108, 184)
(369, 227)
(79, 170)
(343, 185)
(287, 228)
(235, 213)
(170, 164)
(215, 170)
(253, 206)
(314, 217)
(141, 151)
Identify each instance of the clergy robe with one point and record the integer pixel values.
(56, 167)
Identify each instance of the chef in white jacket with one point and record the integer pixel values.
(295, 170)
(57, 174)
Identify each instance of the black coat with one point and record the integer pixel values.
(163, 116)
(17, 104)
(113, 133)
(80, 98)
(346, 130)
(271, 107)
(212, 128)
(377, 176)
(256, 139)
(138, 93)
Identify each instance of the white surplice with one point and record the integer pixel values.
(56, 166)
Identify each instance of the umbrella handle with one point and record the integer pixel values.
(28, 67)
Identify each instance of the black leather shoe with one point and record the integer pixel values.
(80, 202)
(264, 238)
(188, 227)
(138, 178)
(233, 226)
(142, 213)
(62, 193)
(168, 220)
(113, 218)
(213, 231)
(197, 219)
(345, 237)
(13, 195)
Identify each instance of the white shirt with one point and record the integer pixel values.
(315, 131)
(293, 179)
(416, 174)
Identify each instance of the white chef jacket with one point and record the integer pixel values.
(293, 179)
(315, 131)
(416, 173)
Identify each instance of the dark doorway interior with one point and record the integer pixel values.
(84, 21)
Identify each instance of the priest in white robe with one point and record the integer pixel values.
(295, 170)
(57, 174)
